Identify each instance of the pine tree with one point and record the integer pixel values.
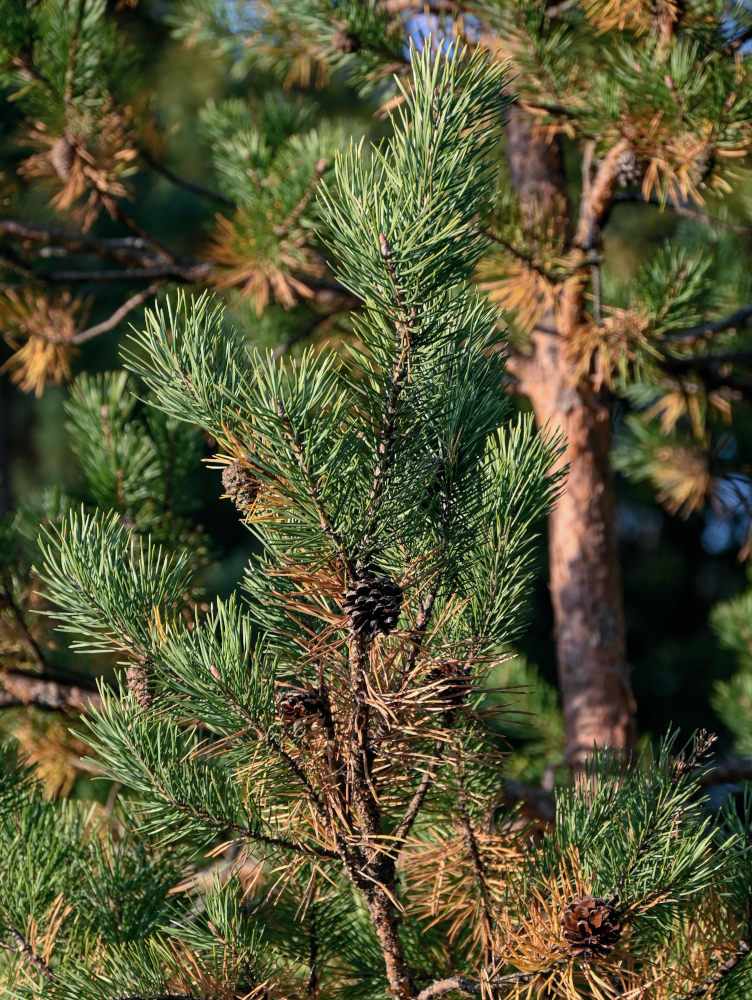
(650, 103)
(308, 805)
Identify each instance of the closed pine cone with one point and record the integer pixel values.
(373, 605)
(591, 926)
(241, 486)
(139, 682)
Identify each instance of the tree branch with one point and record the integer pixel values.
(24, 689)
(399, 373)
(738, 320)
(464, 984)
(728, 772)
(108, 324)
(222, 823)
(683, 210)
(402, 830)
(703, 988)
(183, 182)
(28, 954)
(314, 490)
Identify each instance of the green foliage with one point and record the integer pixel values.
(62, 58)
(732, 621)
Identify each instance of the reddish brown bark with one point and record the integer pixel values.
(584, 577)
(385, 922)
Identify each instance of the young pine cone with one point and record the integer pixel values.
(241, 486)
(139, 682)
(373, 605)
(629, 168)
(591, 926)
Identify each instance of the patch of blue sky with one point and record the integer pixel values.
(441, 32)
(728, 521)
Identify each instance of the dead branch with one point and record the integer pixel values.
(17, 688)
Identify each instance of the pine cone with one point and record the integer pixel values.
(702, 166)
(344, 42)
(629, 168)
(296, 705)
(451, 687)
(241, 486)
(591, 925)
(137, 676)
(62, 156)
(373, 605)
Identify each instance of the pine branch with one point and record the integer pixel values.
(28, 954)
(739, 320)
(402, 830)
(295, 769)
(284, 228)
(248, 832)
(399, 374)
(473, 849)
(728, 772)
(702, 989)
(156, 996)
(359, 763)
(183, 182)
(314, 491)
(25, 632)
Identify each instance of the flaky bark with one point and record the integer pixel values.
(584, 575)
(583, 563)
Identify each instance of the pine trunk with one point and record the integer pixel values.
(584, 576)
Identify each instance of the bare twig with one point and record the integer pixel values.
(112, 321)
(183, 182)
(702, 989)
(28, 954)
(24, 689)
(684, 210)
(128, 249)
(738, 320)
(728, 772)
(464, 984)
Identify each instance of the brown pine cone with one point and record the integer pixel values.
(139, 682)
(241, 486)
(373, 605)
(591, 926)
(296, 705)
